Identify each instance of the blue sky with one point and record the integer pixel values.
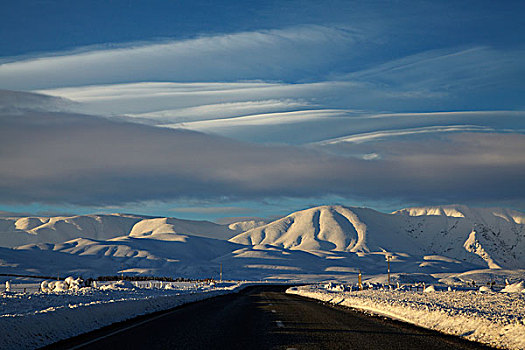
(260, 108)
(50, 26)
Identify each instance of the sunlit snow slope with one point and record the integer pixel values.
(16, 231)
(490, 237)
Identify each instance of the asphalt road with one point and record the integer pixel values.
(263, 318)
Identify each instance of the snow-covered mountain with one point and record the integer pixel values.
(495, 235)
(488, 216)
(313, 244)
(15, 231)
(490, 237)
(178, 255)
(159, 253)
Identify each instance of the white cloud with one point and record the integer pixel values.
(371, 156)
(144, 98)
(385, 134)
(271, 54)
(280, 113)
(256, 120)
(437, 66)
(451, 73)
(329, 126)
(220, 111)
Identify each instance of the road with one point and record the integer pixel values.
(263, 318)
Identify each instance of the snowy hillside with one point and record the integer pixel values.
(488, 216)
(171, 225)
(496, 235)
(494, 238)
(327, 228)
(200, 257)
(162, 254)
(15, 231)
(246, 225)
(313, 244)
(25, 230)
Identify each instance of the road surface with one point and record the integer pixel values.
(263, 318)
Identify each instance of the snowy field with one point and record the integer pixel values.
(496, 318)
(31, 320)
(454, 246)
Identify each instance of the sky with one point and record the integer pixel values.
(220, 109)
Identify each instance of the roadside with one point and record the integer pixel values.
(495, 319)
(31, 320)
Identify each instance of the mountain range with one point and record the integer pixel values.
(316, 243)
(15, 231)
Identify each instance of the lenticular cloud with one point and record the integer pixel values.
(272, 54)
(62, 157)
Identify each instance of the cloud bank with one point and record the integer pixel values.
(54, 157)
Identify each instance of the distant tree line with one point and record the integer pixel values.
(32, 276)
(148, 278)
(115, 278)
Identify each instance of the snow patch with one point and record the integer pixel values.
(518, 287)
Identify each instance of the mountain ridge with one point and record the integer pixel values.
(458, 210)
(485, 237)
(15, 231)
(495, 237)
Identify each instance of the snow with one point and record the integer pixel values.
(518, 287)
(493, 318)
(484, 276)
(441, 249)
(208, 229)
(198, 257)
(326, 240)
(485, 289)
(38, 319)
(15, 231)
(69, 284)
(462, 211)
(429, 289)
(246, 225)
(486, 237)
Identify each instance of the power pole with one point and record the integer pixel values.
(359, 281)
(388, 264)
